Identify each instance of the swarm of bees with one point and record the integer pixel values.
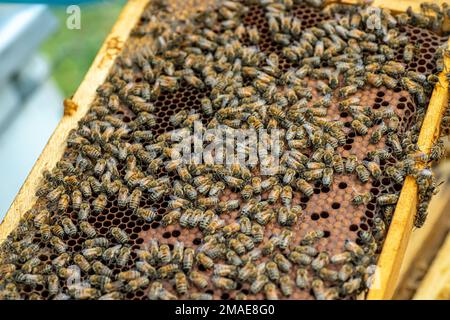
(246, 88)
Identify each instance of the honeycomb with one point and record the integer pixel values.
(330, 208)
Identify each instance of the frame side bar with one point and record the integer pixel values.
(394, 247)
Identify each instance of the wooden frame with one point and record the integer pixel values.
(396, 6)
(401, 227)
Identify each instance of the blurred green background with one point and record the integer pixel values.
(71, 52)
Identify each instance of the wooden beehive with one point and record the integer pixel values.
(401, 227)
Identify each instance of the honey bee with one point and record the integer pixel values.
(359, 127)
(101, 269)
(99, 168)
(120, 235)
(82, 263)
(61, 260)
(338, 164)
(27, 266)
(393, 68)
(190, 191)
(253, 35)
(320, 261)
(128, 275)
(314, 174)
(283, 216)
(43, 189)
(166, 295)
(303, 279)
(299, 258)
(99, 203)
(346, 103)
(327, 177)
(363, 199)
(147, 269)
(247, 192)
(312, 236)
(257, 233)
(85, 188)
(293, 215)
(83, 293)
(395, 174)
(387, 199)
(8, 268)
(58, 244)
(286, 196)
(231, 229)
(216, 189)
(92, 151)
(30, 279)
(181, 283)
(155, 290)
(321, 293)
(147, 214)
(77, 199)
(286, 285)
(55, 194)
(53, 284)
(167, 270)
(164, 254)
(394, 142)
(259, 283)
(346, 271)
(388, 81)
(100, 241)
(304, 187)
(283, 264)
(69, 227)
(408, 52)
(88, 229)
(346, 91)
(111, 253)
(377, 134)
(137, 283)
(270, 291)
(142, 136)
(135, 199)
(353, 248)
(362, 173)
(374, 79)
(270, 245)
(199, 280)
(265, 216)
(41, 218)
(114, 295)
(92, 253)
(171, 217)
(373, 168)
(272, 271)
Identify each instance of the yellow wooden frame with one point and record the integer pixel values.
(389, 262)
